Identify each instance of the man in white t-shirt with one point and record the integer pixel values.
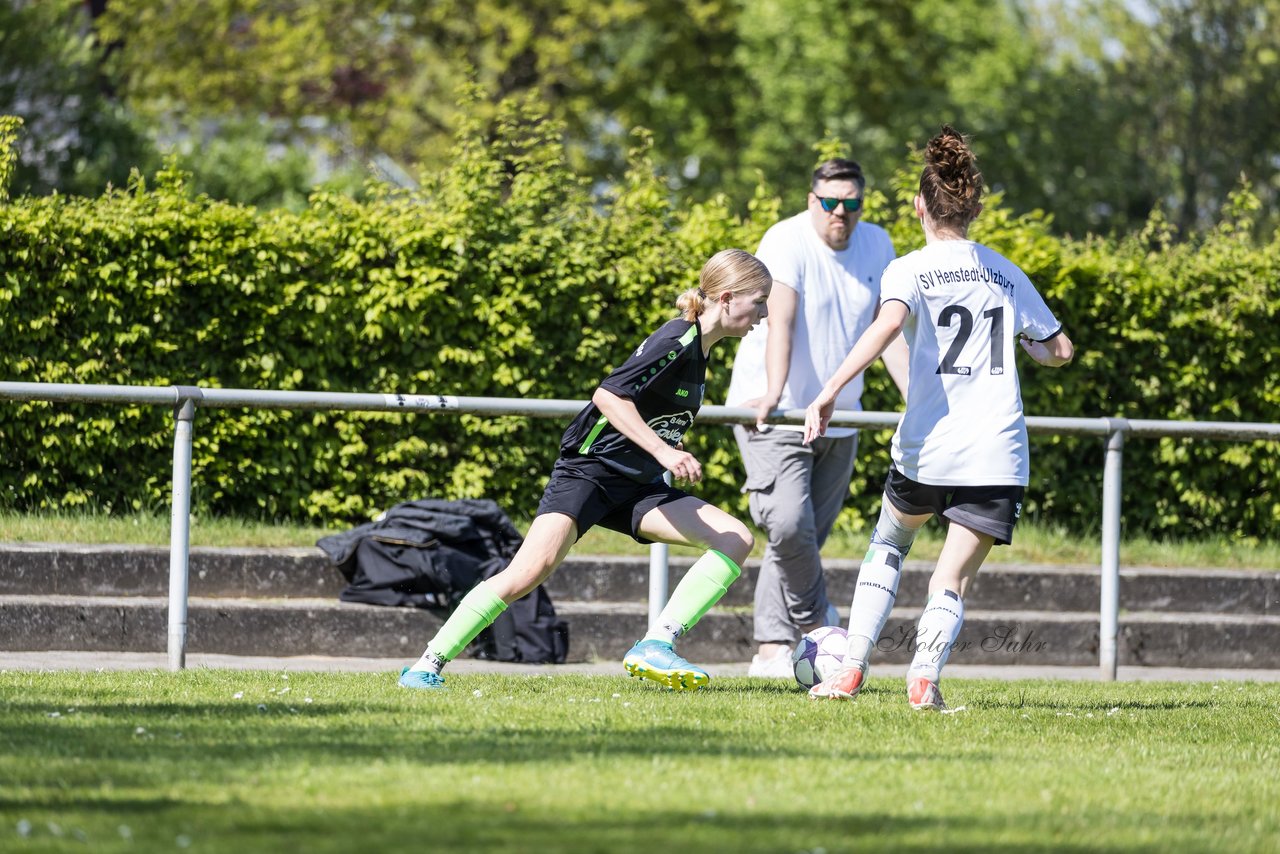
(826, 268)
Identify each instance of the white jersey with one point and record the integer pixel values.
(964, 424)
(837, 292)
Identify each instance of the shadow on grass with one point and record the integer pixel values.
(222, 735)
(430, 822)
(980, 694)
(119, 807)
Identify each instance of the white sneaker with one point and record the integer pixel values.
(777, 667)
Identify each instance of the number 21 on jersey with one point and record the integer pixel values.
(954, 315)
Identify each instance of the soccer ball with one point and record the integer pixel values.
(819, 655)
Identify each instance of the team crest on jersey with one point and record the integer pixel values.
(671, 428)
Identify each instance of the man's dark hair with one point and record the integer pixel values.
(839, 169)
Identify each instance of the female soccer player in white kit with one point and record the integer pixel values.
(960, 450)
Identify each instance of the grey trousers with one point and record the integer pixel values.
(795, 493)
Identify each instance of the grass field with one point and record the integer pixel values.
(1032, 543)
(257, 761)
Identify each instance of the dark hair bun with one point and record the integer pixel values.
(952, 184)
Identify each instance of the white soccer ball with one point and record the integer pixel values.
(819, 655)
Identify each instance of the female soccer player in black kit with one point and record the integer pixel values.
(612, 459)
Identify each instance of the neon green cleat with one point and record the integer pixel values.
(656, 660)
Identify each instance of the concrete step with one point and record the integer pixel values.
(605, 630)
(997, 587)
(113, 570)
(28, 569)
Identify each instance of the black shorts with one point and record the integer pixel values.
(593, 494)
(990, 510)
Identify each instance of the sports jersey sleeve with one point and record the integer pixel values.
(1035, 320)
(649, 360)
(898, 284)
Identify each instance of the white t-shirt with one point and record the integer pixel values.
(964, 425)
(838, 293)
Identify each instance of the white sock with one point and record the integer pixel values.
(873, 599)
(430, 662)
(937, 630)
(665, 631)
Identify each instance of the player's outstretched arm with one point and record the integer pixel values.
(897, 360)
(1052, 353)
(623, 415)
(870, 345)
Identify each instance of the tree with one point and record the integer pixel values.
(381, 77)
(1188, 92)
(881, 74)
(1216, 90)
(1096, 111)
(728, 88)
(76, 138)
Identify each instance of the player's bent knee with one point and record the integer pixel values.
(736, 544)
(519, 579)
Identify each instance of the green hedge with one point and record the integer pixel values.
(505, 276)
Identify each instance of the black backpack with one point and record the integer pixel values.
(429, 553)
(528, 631)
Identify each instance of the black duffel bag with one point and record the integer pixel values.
(429, 553)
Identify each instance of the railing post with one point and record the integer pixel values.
(1109, 606)
(659, 573)
(180, 525)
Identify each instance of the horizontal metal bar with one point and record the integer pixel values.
(1236, 430)
(842, 418)
(231, 398)
(1076, 426)
(71, 392)
(226, 398)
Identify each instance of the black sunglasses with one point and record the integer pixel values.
(829, 205)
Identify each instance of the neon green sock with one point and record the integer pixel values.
(477, 610)
(702, 587)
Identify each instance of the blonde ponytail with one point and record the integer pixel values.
(728, 271)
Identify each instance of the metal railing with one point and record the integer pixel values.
(184, 400)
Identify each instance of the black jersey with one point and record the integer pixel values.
(665, 378)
